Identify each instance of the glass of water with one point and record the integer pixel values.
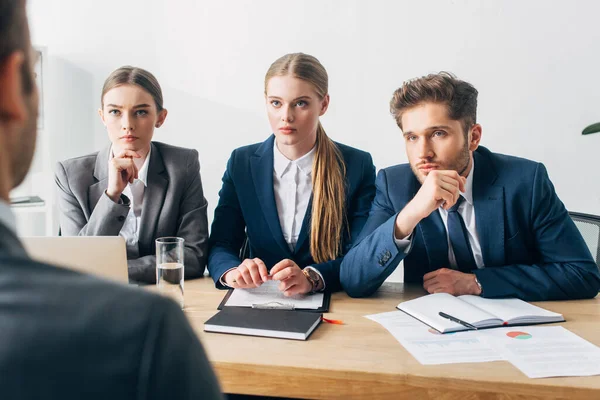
(169, 267)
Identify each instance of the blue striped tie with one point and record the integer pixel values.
(459, 238)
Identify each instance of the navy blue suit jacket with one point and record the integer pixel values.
(531, 248)
(247, 206)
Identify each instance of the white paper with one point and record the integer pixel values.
(430, 347)
(541, 352)
(269, 296)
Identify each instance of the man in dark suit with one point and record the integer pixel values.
(67, 335)
(466, 220)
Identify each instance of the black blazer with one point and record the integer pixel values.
(66, 335)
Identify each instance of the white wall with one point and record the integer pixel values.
(535, 64)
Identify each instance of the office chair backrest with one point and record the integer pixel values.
(245, 250)
(589, 226)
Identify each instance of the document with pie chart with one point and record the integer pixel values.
(541, 352)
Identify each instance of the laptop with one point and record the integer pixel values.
(104, 256)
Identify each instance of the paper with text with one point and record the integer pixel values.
(268, 294)
(430, 347)
(542, 352)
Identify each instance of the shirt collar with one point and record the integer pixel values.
(7, 218)
(142, 172)
(468, 194)
(281, 163)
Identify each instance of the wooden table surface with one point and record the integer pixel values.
(361, 359)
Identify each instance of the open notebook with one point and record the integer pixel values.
(475, 310)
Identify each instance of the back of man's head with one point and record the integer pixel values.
(18, 96)
(460, 97)
(14, 36)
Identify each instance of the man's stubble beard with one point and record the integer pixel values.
(460, 164)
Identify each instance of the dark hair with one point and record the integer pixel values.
(14, 36)
(128, 75)
(459, 96)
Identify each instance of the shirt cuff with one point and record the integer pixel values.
(322, 280)
(222, 281)
(403, 244)
(123, 200)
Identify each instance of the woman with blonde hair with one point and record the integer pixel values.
(135, 187)
(298, 199)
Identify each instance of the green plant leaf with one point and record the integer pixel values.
(594, 128)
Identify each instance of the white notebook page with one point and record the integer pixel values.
(269, 295)
(427, 309)
(510, 309)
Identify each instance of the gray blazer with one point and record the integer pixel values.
(174, 205)
(66, 335)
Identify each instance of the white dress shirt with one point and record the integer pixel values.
(467, 212)
(292, 186)
(135, 192)
(7, 218)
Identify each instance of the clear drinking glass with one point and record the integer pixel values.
(169, 267)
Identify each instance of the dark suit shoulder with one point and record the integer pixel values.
(49, 279)
(244, 152)
(350, 152)
(240, 157)
(104, 334)
(397, 172)
(509, 167)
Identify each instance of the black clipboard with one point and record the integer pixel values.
(322, 309)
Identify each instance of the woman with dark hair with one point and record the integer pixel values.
(135, 187)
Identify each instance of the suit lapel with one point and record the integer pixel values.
(305, 228)
(488, 200)
(432, 231)
(154, 198)
(261, 165)
(96, 190)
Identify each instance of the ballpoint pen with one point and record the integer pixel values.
(454, 319)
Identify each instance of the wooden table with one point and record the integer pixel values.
(361, 359)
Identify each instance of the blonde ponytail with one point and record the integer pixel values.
(328, 217)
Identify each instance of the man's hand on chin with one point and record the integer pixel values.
(445, 280)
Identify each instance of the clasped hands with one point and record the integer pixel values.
(252, 273)
(456, 283)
